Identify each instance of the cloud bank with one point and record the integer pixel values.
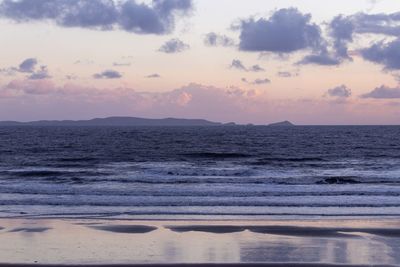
(153, 76)
(40, 74)
(286, 31)
(128, 15)
(173, 46)
(387, 54)
(257, 81)
(237, 64)
(108, 74)
(341, 91)
(71, 101)
(28, 65)
(215, 39)
(286, 74)
(383, 92)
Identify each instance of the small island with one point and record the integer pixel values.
(282, 124)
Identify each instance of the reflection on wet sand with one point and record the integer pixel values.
(327, 250)
(30, 229)
(216, 229)
(125, 229)
(287, 230)
(129, 242)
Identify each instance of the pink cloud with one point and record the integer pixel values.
(31, 100)
(34, 87)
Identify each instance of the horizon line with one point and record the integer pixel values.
(180, 118)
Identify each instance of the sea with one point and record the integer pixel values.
(217, 172)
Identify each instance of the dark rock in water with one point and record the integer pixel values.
(339, 180)
(282, 123)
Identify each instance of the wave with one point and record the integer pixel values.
(77, 159)
(55, 174)
(194, 204)
(215, 155)
(190, 201)
(179, 215)
(38, 173)
(340, 180)
(205, 171)
(165, 192)
(268, 160)
(191, 175)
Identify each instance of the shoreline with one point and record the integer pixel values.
(212, 218)
(293, 264)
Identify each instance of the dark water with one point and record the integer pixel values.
(199, 172)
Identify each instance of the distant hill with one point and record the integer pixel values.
(131, 121)
(116, 121)
(282, 123)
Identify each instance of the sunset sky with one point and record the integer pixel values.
(247, 61)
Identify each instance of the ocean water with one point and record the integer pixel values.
(200, 172)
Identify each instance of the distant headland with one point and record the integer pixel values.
(129, 121)
(282, 123)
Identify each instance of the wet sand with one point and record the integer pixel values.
(90, 242)
(203, 265)
(287, 230)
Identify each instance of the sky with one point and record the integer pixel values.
(246, 61)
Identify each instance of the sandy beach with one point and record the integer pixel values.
(201, 265)
(27, 242)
